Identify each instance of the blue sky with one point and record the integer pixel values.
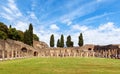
(98, 20)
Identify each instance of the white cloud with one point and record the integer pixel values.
(10, 11)
(32, 15)
(91, 35)
(54, 27)
(108, 26)
(21, 26)
(34, 3)
(13, 7)
(45, 33)
(81, 11)
(100, 16)
(67, 21)
(79, 27)
(104, 34)
(7, 10)
(67, 18)
(77, 12)
(6, 16)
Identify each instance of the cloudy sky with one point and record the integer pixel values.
(98, 20)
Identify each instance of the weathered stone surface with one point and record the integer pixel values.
(10, 49)
(39, 45)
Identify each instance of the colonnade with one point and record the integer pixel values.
(108, 53)
(66, 53)
(13, 54)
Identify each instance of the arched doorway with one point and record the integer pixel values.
(24, 50)
(89, 49)
(35, 53)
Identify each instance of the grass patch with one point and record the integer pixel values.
(60, 66)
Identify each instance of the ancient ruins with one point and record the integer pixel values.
(10, 49)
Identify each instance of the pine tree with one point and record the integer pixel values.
(80, 42)
(69, 43)
(52, 41)
(28, 36)
(58, 43)
(35, 37)
(62, 41)
(31, 34)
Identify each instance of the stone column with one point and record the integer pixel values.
(93, 54)
(16, 53)
(109, 53)
(19, 53)
(3, 54)
(57, 54)
(81, 54)
(116, 53)
(8, 55)
(51, 54)
(102, 53)
(87, 54)
(68, 54)
(12, 54)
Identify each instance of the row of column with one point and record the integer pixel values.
(4, 54)
(111, 53)
(67, 54)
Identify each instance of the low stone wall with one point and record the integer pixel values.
(85, 51)
(66, 52)
(10, 49)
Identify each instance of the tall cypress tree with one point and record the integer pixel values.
(28, 36)
(58, 43)
(62, 41)
(31, 34)
(52, 41)
(69, 43)
(80, 42)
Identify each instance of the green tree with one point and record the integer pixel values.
(3, 35)
(26, 37)
(52, 41)
(62, 41)
(13, 34)
(69, 43)
(58, 43)
(20, 35)
(30, 34)
(35, 37)
(80, 42)
(3, 28)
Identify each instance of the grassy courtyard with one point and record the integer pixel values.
(60, 66)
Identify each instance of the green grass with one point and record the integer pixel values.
(60, 66)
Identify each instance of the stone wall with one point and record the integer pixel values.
(109, 51)
(66, 52)
(10, 49)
